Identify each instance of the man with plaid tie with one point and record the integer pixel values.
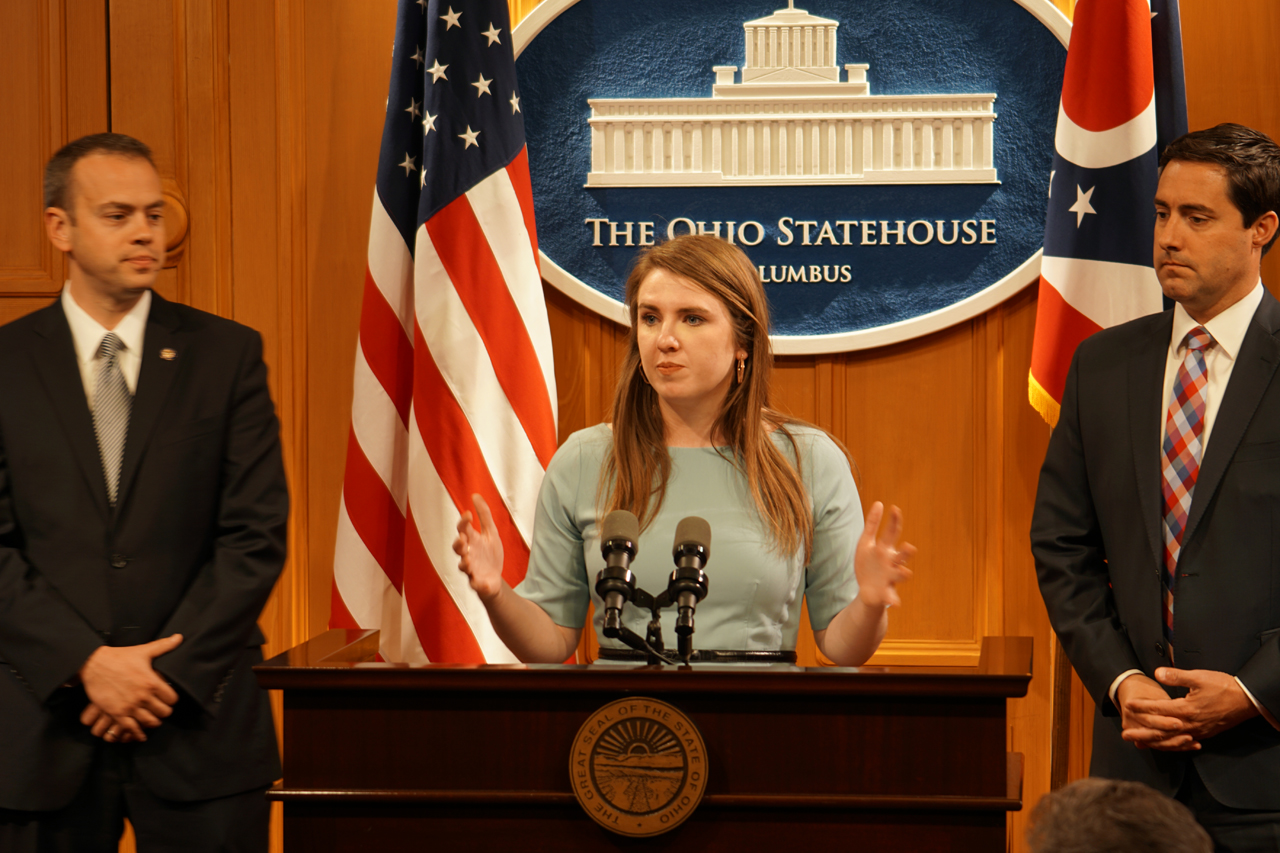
(143, 511)
(1156, 531)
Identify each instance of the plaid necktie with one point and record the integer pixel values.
(1183, 446)
(111, 404)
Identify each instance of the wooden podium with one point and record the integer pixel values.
(381, 757)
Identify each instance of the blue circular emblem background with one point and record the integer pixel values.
(666, 48)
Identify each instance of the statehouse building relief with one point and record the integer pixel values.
(792, 120)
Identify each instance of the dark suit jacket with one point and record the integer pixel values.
(1098, 548)
(194, 546)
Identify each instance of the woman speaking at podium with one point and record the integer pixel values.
(693, 434)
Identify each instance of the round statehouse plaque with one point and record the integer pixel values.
(638, 766)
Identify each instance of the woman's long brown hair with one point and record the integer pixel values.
(635, 476)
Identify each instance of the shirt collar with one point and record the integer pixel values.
(1228, 328)
(87, 333)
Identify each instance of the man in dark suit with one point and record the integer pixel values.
(143, 509)
(1156, 531)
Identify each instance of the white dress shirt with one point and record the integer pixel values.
(1227, 330)
(87, 334)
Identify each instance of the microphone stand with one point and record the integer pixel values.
(651, 644)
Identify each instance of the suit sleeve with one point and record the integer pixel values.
(218, 614)
(42, 638)
(1261, 675)
(1070, 557)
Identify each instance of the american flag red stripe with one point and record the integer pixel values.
(459, 461)
(495, 315)
(390, 355)
(441, 626)
(454, 385)
(374, 513)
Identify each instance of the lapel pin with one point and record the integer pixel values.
(168, 354)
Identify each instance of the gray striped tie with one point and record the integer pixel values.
(111, 404)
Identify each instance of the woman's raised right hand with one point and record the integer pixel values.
(480, 551)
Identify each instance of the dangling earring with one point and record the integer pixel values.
(742, 365)
(645, 378)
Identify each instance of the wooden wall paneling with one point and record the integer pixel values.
(87, 100)
(288, 613)
(575, 388)
(254, 228)
(1080, 737)
(989, 475)
(794, 387)
(346, 68)
(31, 56)
(292, 301)
(911, 426)
(148, 96)
(1233, 74)
(801, 387)
(53, 62)
(831, 390)
(205, 119)
(1026, 437)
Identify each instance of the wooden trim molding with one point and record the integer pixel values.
(176, 223)
(926, 653)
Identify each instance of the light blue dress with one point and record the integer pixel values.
(754, 596)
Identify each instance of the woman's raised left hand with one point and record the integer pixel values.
(879, 562)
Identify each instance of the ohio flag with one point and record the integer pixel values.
(1122, 101)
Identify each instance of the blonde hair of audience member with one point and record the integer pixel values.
(1111, 816)
(635, 475)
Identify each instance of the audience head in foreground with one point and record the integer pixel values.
(1112, 816)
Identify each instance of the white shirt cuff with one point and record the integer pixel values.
(1115, 685)
(1266, 715)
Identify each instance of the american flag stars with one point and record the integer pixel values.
(454, 55)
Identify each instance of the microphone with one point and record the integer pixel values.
(688, 583)
(619, 543)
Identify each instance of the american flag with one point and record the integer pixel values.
(1122, 101)
(454, 386)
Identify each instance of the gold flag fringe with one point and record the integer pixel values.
(1042, 401)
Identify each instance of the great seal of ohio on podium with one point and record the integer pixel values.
(638, 767)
